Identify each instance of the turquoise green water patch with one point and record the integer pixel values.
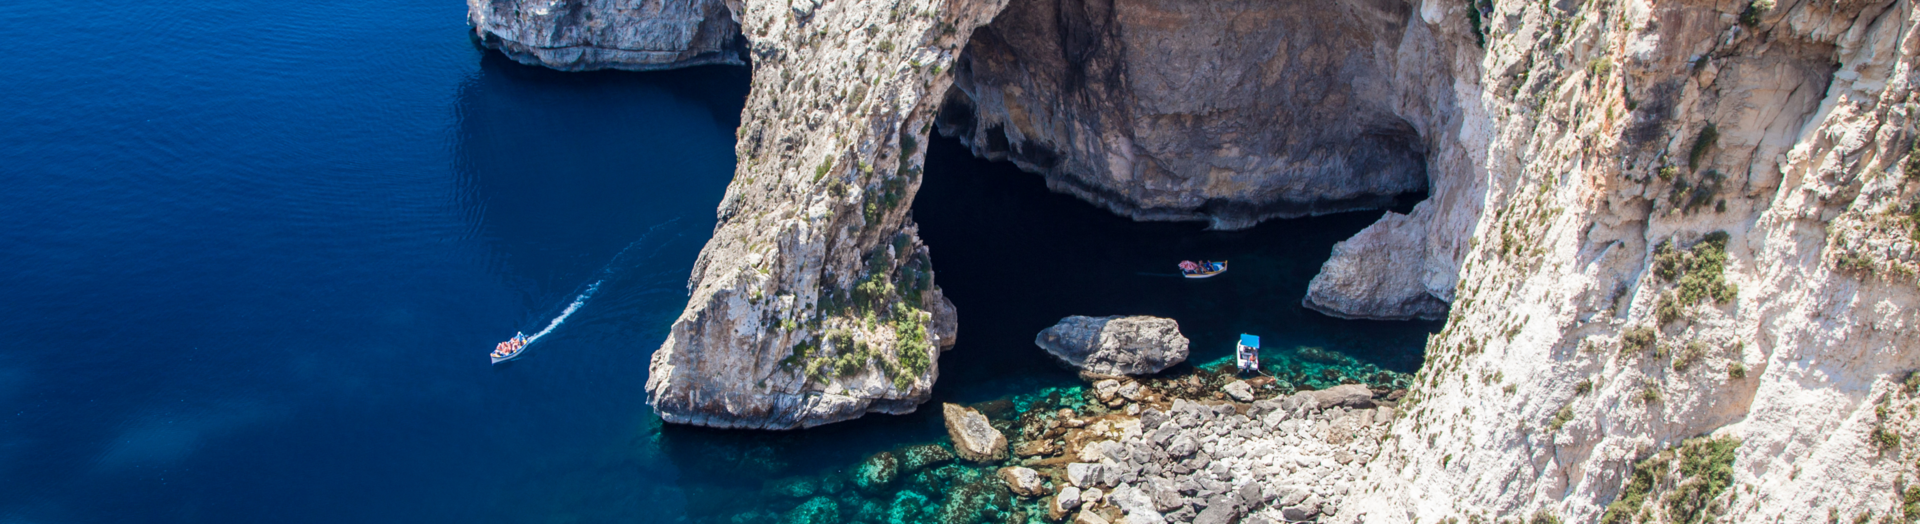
(1312, 367)
(914, 483)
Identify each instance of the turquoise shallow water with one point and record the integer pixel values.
(256, 255)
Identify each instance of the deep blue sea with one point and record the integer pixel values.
(252, 257)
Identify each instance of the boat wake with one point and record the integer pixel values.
(605, 272)
(575, 306)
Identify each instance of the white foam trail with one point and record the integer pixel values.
(605, 273)
(575, 306)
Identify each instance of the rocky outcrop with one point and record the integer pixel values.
(1376, 275)
(1230, 112)
(1116, 345)
(1667, 231)
(1670, 269)
(815, 301)
(974, 438)
(635, 35)
(1284, 459)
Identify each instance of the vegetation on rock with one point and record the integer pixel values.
(1692, 477)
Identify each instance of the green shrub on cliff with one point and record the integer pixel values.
(820, 172)
(1755, 9)
(910, 348)
(1702, 143)
(1694, 475)
(1636, 340)
(1700, 272)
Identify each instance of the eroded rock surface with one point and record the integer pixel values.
(1293, 457)
(1227, 111)
(974, 438)
(1377, 275)
(813, 237)
(1117, 345)
(635, 35)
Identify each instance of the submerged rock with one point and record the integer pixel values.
(877, 473)
(916, 458)
(1136, 345)
(973, 436)
(907, 506)
(974, 502)
(818, 510)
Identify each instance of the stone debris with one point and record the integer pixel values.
(973, 436)
(1023, 481)
(1239, 391)
(1286, 459)
(1115, 346)
(1067, 500)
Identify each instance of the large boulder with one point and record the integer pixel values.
(637, 35)
(973, 436)
(1024, 482)
(1377, 275)
(1117, 345)
(1355, 396)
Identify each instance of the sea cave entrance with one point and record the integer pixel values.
(1015, 258)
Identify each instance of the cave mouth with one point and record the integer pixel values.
(1016, 257)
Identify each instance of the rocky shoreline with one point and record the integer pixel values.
(1205, 446)
(1145, 453)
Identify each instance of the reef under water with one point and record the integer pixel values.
(1015, 258)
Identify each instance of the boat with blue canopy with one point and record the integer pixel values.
(1246, 354)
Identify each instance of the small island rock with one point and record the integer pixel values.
(973, 437)
(1136, 345)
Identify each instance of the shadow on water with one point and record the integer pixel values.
(1015, 258)
(553, 162)
(557, 174)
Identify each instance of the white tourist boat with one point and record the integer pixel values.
(1202, 269)
(511, 349)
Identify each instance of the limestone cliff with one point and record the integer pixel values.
(1697, 238)
(581, 35)
(1678, 237)
(814, 301)
(1227, 111)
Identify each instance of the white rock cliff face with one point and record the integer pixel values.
(1578, 344)
(813, 237)
(581, 35)
(1656, 222)
(1227, 111)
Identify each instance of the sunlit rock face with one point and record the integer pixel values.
(1230, 112)
(815, 301)
(635, 35)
